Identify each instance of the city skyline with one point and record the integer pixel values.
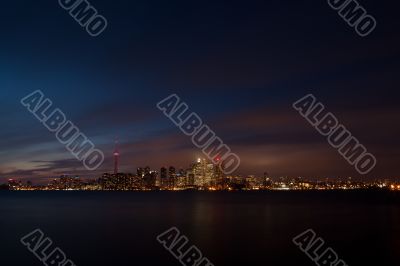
(203, 175)
(115, 164)
(165, 171)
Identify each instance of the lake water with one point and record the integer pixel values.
(110, 228)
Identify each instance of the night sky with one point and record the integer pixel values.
(240, 65)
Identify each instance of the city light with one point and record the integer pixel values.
(202, 175)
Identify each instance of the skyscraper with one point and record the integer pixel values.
(150, 178)
(201, 173)
(164, 177)
(181, 178)
(207, 174)
(172, 176)
(140, 172)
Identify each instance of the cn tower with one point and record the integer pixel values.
(116, 158)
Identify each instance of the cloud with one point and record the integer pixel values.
(267, 139)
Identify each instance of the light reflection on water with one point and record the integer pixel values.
(108, 228)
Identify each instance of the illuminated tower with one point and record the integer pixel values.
(116, 158)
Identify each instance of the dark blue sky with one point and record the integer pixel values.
(239, 64)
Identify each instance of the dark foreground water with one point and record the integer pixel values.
(100, 228)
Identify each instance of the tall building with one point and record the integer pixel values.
(150, 178)
(207, 174)
(202, 171)
(140, 176)
(198, 173)
(219, 176)
(181, 179)
(171, 177)
(116, 158)
(164, 178)
(209, 179)
(190, 177)
(147, 170)
(140, 172)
